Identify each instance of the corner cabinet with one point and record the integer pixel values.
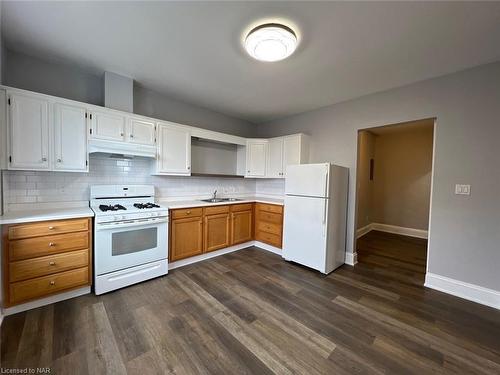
(256, 157)
(174, 150)
(268, 158)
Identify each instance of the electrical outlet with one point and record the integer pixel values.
(462, 189)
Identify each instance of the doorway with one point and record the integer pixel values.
(393, 194)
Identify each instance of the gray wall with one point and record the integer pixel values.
(70, 82)
(464, 230)
(150, 103)
(29, 73)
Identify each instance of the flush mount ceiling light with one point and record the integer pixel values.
(271, 42)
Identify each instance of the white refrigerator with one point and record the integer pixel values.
(315, 215)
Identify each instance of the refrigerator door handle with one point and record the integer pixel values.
(324, 217)
(326, 184)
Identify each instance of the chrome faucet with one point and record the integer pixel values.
(215, 195)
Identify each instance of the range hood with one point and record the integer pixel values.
(121, 148)
(119, 94)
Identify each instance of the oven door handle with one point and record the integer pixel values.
(130, 223)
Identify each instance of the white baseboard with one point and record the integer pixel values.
(411, 232)
(212, 254)
(46, 301)
(351, 258)
(471, 292)
(364, 230)
(265, 246)
(227, 250)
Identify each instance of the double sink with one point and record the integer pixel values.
(218, 200)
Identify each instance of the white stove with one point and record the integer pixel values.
(130, 235)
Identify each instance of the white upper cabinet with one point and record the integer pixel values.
(256, 158)
(174, 150)
(275, 158)
(295, 150)
(70, 138)
(28, 132)
(108, 126)
(268, 158)
(141, 131)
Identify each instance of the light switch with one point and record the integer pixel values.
(462, 189)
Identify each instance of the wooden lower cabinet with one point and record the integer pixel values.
(186, 238)
(269, 224)
(216, 232)
(45, 258)
(198, 230)
(241, 226)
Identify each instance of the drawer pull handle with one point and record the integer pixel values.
(51, 244)
(52, 263)
(51, 228)
(188, 212)
(52, 283)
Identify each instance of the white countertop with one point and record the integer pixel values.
(198, 203)
(28, 216)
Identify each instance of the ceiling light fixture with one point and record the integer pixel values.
(271, 42)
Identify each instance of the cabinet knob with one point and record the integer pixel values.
(131, 136)
(52, 244)
(188, 212)
(52, 283)
(51, 228)
(189, 168)
(52, 263)
(44, 159)
(121, 134)
(59, 160)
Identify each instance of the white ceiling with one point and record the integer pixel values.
(192, 50)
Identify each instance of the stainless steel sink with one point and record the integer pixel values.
(213, 200)
(218, 200)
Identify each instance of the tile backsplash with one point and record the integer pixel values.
(27, 189)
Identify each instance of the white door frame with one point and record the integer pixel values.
(354, 257)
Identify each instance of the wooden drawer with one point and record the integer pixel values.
(269, 217)
(47, 245)
(269, 228)
(274, 208)
(213, 210)
(42, 286)
(241, 207)
(269, 238)
(47, 228)
(30, 268)
(186, 212)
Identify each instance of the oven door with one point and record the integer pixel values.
(127, 244)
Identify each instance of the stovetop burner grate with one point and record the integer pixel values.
(116, 207)
(145, 205)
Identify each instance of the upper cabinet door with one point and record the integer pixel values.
(275, 158)
(108, 126)
(70, 138)
(29, 132)
(294, 151)
(141, 132)
(256, 158)
(174, 150)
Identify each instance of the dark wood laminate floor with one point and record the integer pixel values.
(250, 312)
